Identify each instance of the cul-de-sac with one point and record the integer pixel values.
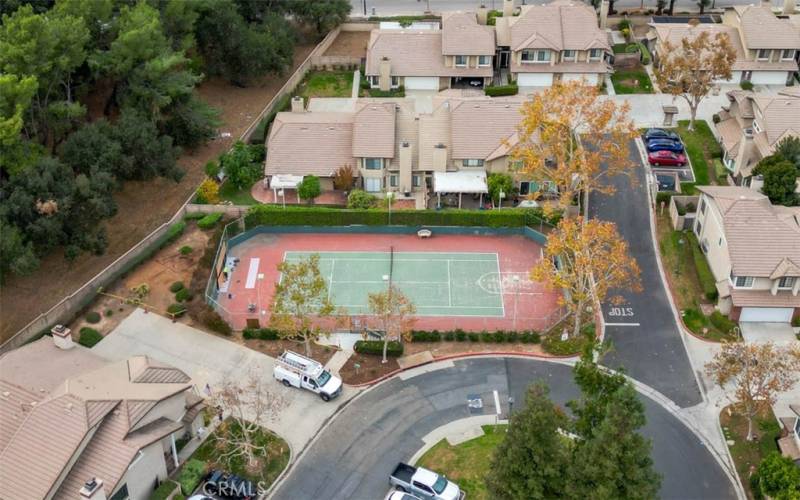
(399, 249)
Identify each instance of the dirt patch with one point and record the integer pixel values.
(369, 368)
(142, 206)
(349, 43)
(275, 348)
(440, 349)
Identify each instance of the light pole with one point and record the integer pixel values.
(365, 7)
(510, 406)
(389, 197)
(500, 196)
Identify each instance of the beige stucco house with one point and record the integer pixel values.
(396, 147)
(766, 45)
(753, 250)
(75, 426)
(751, 127)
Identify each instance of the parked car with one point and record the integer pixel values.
(296, 370)
(664, 145)
(667, 158)
(660, 133)
(400, 495)
(424, 483)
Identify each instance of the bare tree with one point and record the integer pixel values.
(758, 372)
(249, 405)
(690, 69)
(395, 312)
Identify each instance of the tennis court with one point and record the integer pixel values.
(439, 284)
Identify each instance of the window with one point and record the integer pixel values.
(395, 82)
(524, 187)
(373, 163)
(472, 163)
(121, 493)
(743, 281)
(393, 181)
(415, 181)
(374, 81)
(372, 184)
(698, 228)
(756, 127)
(484, 60)
(703, 207)
(539, 56)
(786, 282)
(568, 55)
(461, 61)
(762, 55)
(595, 54)
(787, 54)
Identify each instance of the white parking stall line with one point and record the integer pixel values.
(623, 324)
(496, 402)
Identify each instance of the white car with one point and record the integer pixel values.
(528, 204)
(400, 495)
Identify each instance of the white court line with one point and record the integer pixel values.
(499, 274)
(623, 324)
(330, 279)
(496, 402)
(252, 273)
(449, 286)
(343, 259)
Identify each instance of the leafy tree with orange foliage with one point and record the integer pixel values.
(395, 312)
(550, 145)
(586, 259)
(689, 69)
(758, 372)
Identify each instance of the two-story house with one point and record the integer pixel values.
(74, 425)
(560, 40)
(751, 127)
(766, 45)
(753, 250)
(460, 54)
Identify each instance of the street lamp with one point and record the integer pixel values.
(510, 406)
(500, 196)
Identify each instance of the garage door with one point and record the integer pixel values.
(736, 77)
(591, 78)
(767, 314)
(535, 79)
(422, 83)
(769, 77)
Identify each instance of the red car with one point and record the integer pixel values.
(667, 158)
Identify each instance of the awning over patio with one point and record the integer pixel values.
(462, 181)
(285, 181)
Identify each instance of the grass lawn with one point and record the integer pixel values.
(227, 192)
(679, 264)
(269, 466)
(625, 48)
(701, 148)
(747, 454)
(633, 81)
(467, 463)
(326, 84)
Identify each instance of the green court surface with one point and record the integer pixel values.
(439, 284)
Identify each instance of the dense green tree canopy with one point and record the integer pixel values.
(780, 179)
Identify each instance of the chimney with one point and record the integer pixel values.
(298, 104)
(405, 166)
(62, 337)
(483, 14)
(604, 14)
(508, 8)
(385, 78)
(93, 490)
(788, 7)
(439, 158)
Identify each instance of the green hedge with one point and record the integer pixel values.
(174, 232)
(501, 90)
(191, 475)
(295, 216)
(721, 322)
(176, 310)
(646, 58)
(93, 317)
(209, 220)
(394, 349)
(704, 274)
(163, 491)
(89, 337)
(459, 335)
(176, 286)
(183, 295)
(260, 333)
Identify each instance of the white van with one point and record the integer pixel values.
(296, 370)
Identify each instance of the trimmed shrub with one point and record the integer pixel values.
(704, 273)
(214, 321)
(93, 317)
(260, 333)
(664, 196)
(109, 313)
(646, 58)
(694, 320)
(194, 216)
(394, 349)
(474, 337)
(501, 90)
(174, 232)
(183, 295)
(450, 336)
(176, 310)
(191, 474)
(553, 344)
(165, 490)
(358, 198)
(746, 85)
(89, 337)
(185, 250)
(176, 287)
(721, 322)
(209, 221)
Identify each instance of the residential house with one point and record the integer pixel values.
(397, 147)
(560, 40)
(789, 444)
(753, 250)
(751, 127)
(766, 45)
(460, 54)
(74, 425)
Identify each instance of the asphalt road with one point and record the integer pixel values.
(413, 7)
(647, 341)
(353, 457)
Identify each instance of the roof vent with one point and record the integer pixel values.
(93, 489)
(6, 394)
(404, 144)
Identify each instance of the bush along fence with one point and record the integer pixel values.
(458, 335)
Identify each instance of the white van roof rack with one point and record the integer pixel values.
(301, 364)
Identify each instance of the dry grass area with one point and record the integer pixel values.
(143, 206)
(748, 454)
(349, 43)
(275, 348)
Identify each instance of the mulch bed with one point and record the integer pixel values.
(275, 348)
(370, 368)
(447, 348)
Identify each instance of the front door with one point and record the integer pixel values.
(505, 57)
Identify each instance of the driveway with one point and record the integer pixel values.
(646, 338)
(353, 457)
(209, 359)
(778, 333)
